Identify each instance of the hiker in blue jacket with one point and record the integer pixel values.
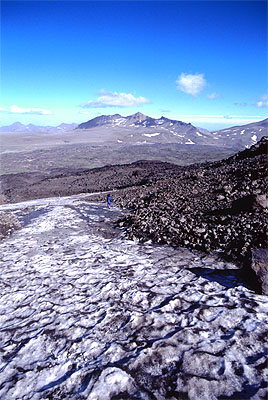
(109, 200)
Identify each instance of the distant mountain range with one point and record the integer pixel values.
(18, 127)
(142, 129)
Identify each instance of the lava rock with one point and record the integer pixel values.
(219, 206)
(260, 266)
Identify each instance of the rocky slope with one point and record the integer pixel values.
(20, 187)
(219, 206)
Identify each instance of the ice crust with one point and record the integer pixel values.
(86, 316)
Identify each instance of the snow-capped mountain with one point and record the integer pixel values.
(18, 127)
(140, 128)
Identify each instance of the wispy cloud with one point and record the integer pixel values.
(37, 111)
(263, 102)
(192, 84)
(213, 96)
(242, 104)
(115, 99)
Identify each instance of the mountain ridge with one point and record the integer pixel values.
(31, 128)
(138, 128)
(164, 130)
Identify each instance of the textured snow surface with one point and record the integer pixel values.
(87, 314)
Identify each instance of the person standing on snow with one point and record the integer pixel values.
(109, 200)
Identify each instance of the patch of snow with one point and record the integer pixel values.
(198, 134)
(119, 141)
(242, 132)
(171, 124)
(254, 138)
(176, 134)
(151, 134)
(72, 301)
(119, 121)
(190, 142)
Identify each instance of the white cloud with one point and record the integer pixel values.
(263, 102)
(115, 99)
(191, 84)
(38, 111)
(212, 96)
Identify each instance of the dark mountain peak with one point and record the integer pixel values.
(138, 116)
(164, 118)
(173, 121)
(97, 121)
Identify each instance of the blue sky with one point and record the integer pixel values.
(202, 62)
